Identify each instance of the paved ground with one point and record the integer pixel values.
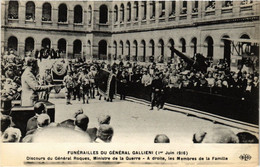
(134, 122)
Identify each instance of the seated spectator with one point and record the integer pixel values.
(161, 138)
(70, 123)
(104, 119)
(43, 120)
(12, 135)
(245, 137)
(104, 134)
(39, 108)
(215, 135)
(81, 122)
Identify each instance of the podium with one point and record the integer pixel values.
(21, 114)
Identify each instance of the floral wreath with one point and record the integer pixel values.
(59, 68)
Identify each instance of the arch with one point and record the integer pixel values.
(102, 50)
(116, 13)
(30, 11)
(46, 43)
(13, 8)
(227, 49)
(89, 48)
(183, 45)
(151, 47)
(103, 14)
(135, 47)
(128, 48)
(161, 49)
(194, 45)
(63, 13)
(210, 46)
(89, 14)
(29, 44)
(121, 46)
(245, 36)
(62, 45)
(128, 8)
(143, 49)
(144, 10)
(171, 47)
(245, 47)
(115, 50)
(77, 46)
(136, 11)
(12, 43)
(46, 11)
(78, 14)
(122, 13)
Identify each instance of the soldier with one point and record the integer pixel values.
(69, 84)
(85, 85)
(122, 84)
(92, 75)
(76, 91)
(157, 89)
(47, 80)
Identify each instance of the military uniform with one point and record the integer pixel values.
(85, 86)
(69, 84)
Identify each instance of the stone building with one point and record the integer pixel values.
(131, 30)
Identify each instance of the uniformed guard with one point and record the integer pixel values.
(92, 75)
(69, 84)
(157, 90)
(85, 85)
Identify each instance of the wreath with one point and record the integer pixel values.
(59, 68)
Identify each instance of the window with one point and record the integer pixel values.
(128, 48)
(62, 16)
(151, 46)
(29, 44)
(144, 10)
(46, 43)
(122, 13)
(211, 5)
(78, 16)
(128, 11)
(62, 45)
(172, 8)
(161, 48)
(171, 47)
(46, 12)
(194, 45)
(77, 47)
(184, 7)
(30, 11)
(103, 14)
(245, 2)
(116, 13)
(102, 50)
(121, 45)
(12, 43)
(136, 12)
(209, 46)
(183, 45)
(195, 6)
(89, 14)
(227, 3)
(115, 50)
(13, 8)
(152, 10)
(143, 47)
(162, 8)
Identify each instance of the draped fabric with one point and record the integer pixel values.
(106, 83)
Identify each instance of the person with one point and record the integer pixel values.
(122, 84)
(69, 84)
(104, 134)
(76, 90)
(5, 122)
(47, 79)
(11, 135)
(104, 119)
(92, 75)
(157, 88)
(161, 138)
(39, 108)
(85, 85)
(81, 122)
(30, 85)
(245, 137)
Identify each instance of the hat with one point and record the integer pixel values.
(105, 129)
(104, 119)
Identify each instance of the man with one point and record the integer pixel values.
(39, 108)
(92, 75)
(157, 89)
(104, 119)
(11, 135)
(84, 81)
(47, 80)
(30, 85)
(69, 84)
(122, 84)
(81, 122)
(104, 134)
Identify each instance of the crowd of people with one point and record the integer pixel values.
(83, 81)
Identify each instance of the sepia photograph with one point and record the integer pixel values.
(130, 83)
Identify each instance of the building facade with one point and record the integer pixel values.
(130, 30)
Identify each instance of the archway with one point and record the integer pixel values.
(143, 47)
(29, 44)
(46, 43)
(102, 50)
(78, 14)
(13, 8)
(210, 47)
(227, 50)
(77, 47)
(62, 45)
(30, 11)
(135, 47)
(183, 45)
(12, 43)
(171, 47)
(103, 14)
(194, 46)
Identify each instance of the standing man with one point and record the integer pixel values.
(92, 75)
(30, 85)
(157, 88)
(69, 84)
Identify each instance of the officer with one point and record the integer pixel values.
(157, 90)
(69, 84)
(92, 75)
(30, 85)
(47, 80)
(85, 85)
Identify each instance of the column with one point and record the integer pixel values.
(177, 10)
(38, 14)
(54, 15)
(167, 9)
(147, 12)
(70, 15)
(157, 10)
(218, 8)
(21, 12)
(189, 9)
(236, 7)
